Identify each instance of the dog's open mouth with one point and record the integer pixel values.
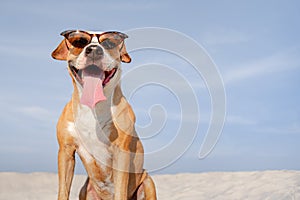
(93, 80)
(93, 69)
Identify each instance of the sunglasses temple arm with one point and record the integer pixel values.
(123, 42)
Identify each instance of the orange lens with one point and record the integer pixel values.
(110, 40)
(79, 39)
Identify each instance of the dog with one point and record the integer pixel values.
(98, 123)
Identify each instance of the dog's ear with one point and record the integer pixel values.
(61, 52)
(124, 55)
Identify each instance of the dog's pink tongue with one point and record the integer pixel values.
(92, 91)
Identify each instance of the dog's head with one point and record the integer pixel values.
(94, 60)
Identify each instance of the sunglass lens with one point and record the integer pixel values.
(79, 40)
(110, 40)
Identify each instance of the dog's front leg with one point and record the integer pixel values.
(121, 175)
(66, 162)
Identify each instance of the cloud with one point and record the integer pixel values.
(238, 120)
(225, 36)
(23, 50)
(291, 129)
(275, 63)
(37, 113)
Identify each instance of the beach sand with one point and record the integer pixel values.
(257, 185)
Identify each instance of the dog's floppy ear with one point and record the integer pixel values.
(61, 52)
(124, 55)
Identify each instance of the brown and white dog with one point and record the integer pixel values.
(98, 122)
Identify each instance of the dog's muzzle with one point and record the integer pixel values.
(94, 52)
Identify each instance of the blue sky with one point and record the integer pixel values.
(254, 44)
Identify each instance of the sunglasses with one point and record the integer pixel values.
(80, 39)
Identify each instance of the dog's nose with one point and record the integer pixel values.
(93, 50)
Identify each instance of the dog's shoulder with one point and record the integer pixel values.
(123, 116)
(65, 125)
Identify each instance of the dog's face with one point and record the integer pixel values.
(94, 60)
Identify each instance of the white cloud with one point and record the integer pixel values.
(275, 63)
(225, 36)
(22, 50)
(37, 113)
(231, 119)
(286, 130)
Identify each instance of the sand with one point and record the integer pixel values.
(277, 185)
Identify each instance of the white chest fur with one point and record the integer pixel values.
(92, 135)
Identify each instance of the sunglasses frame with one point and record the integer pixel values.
(66, 34)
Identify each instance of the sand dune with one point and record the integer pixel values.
(277, 185)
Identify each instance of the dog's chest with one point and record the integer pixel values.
(92, 137)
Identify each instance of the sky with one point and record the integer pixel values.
(254, 45)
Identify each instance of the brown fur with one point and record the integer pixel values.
(132, 182)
